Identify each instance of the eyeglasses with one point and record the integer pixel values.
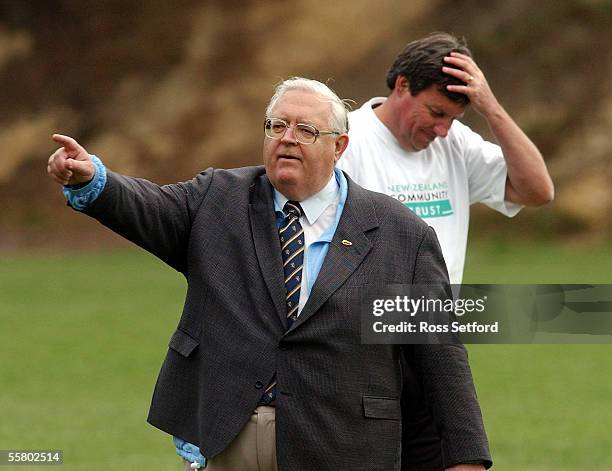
(275, 128)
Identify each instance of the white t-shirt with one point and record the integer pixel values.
(438, 183)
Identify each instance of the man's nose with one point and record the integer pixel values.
(441, 129)
(289, 136)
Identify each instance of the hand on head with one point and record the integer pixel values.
(476, 86)
(70, 164)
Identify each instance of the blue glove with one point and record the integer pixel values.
(189, 452)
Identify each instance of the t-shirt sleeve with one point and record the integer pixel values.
(487, 172)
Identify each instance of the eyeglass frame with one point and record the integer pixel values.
(317, 132)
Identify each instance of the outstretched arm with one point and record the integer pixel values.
(528, 180)
(157, 218)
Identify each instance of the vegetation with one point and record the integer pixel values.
(83, 337)
(545, 406)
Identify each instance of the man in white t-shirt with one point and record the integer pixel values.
(411, 146)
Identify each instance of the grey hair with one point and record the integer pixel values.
(339, 108)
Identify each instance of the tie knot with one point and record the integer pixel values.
(293, 208)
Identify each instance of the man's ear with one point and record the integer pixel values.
(402, 84)
(341, 145)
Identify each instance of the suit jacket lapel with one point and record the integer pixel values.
(267, 246)
(358, 217)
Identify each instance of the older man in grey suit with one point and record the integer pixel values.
(266, 370)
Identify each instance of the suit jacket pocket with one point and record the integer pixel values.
(183, 343)
(375, 407)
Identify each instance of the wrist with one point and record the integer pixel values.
(494, 113)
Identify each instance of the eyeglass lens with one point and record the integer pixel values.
(304, 133)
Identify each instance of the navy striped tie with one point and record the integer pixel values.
(292, 244)
(291, 236)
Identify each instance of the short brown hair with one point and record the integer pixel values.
(421, 63)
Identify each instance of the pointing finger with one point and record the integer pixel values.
(71, 145)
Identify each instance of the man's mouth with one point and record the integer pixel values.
(430, 136)
(289, 157)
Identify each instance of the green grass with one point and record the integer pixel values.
(524, 263)
(82, 339)
(546, 407)
(81, 342)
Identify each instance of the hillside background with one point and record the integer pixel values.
(164, 89)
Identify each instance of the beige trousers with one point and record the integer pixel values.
(254, 449)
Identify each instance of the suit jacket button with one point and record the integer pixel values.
(284, 347)
(258, 385)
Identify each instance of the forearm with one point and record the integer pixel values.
(529, 182)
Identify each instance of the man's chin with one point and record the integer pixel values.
(287, 176)
(419, 146)
(286, 182)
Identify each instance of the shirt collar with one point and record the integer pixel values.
(314, 205)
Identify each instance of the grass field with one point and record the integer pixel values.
(546, 407)
(82, 339)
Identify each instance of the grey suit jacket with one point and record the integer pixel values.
(338, 401)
